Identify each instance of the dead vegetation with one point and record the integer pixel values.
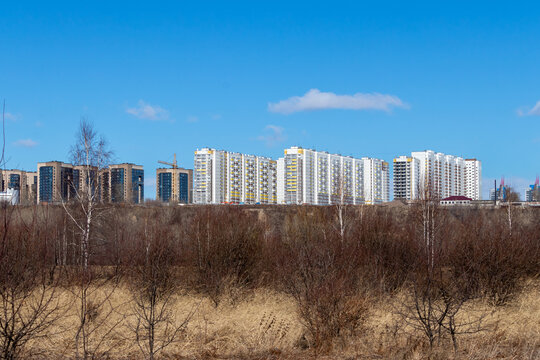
(271, 282)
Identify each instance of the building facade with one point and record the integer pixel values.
(228, 177)
(55, 182)
(406, 177)
(58, 181)
(306, 176)
(440, 174)
(126, 183)
(174, 185)
(25, 182)
(532, 192)
(473, 179)
(376, 181)
(10, 196)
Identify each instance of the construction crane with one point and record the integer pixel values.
(174, 164)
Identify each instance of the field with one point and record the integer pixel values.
(265, 324)
(271, 283)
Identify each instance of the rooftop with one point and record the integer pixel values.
(455, 198)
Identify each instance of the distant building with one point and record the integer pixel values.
(85, 178)
(24, 182)
(10, 195)
(444, 175)
(58, 181)
(228, 177)
(500, 193)
(473, 179)
(376, 181)
(306, 176)
(456, 200)
(406, 177)
(125, 183)
(209, 176)
(55, 182)
(174, 185)
(532, 193)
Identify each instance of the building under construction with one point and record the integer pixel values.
(174, 184)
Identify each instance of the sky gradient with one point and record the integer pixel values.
(376, 79)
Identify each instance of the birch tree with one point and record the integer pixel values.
(90, 155)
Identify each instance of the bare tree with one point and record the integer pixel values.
(321, 271)
(2, 155)
(227, 242)
(93, 288)
(424, 311)
(29, 301)
(510, 197)
(153, 286)
(440, 280)
(91, 155)
(341, 201)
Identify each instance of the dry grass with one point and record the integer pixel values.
(265, 325)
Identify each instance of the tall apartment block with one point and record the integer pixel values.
(473, 179)
(174, 185)
(376, 181)
(55, 182)
(25, 182)
(126, 183)
(306, 176)
(532, 192)
(228, 177)
(406, 177)
(58, 181)
(445, 175)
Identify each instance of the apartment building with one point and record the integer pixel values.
(55, 182)
(306, 176)
(229, 177)
(443, 175)
(473, 179)
(25, 182)
(174, 185)
(266, 180)
(532, 192)
(376, 181)
(406, 177)
(126, 183)
(209, 176)
(86, 178)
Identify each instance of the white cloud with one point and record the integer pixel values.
(148, 112)
(192, 119)
(28, 143)
(273, 135)
(534, 111)
(317, 100)
(12, 117)
(216, 116)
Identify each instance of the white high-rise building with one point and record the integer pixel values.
(376, 181)
(317, 177)
(406, 176)
(226, 177)
(473, 179)
(209, 176)
(266, 181)
(444, 175)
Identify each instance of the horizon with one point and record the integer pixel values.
(375, 80)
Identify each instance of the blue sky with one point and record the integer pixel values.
(376, 79)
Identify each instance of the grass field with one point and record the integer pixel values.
(264, 324)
